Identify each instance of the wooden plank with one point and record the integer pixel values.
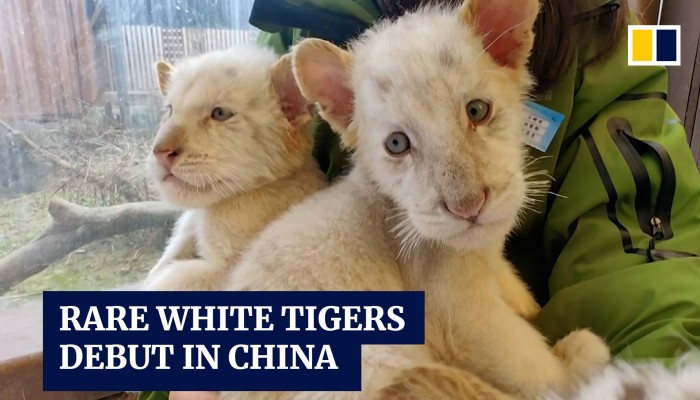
(139, 54)
(143, 57)
(110, 68)
(155, 56)
(50, 64)
(135, 57)
(148, 60)
(130, 56)
(21, 355)
(159, 43)
(211, 39)
(185, 41)
(145, 45)
(127, 48)
(126, 34)
(26, 338)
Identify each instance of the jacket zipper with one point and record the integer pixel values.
(654, 221)
(606, 180)
(642, 200)
(658, 232)
(661, 220)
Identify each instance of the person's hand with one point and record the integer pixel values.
(193, 396)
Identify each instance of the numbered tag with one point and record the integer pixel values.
(541, 126)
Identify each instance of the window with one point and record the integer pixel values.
(78, 111)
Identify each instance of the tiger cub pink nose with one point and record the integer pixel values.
(468, 209)
(166, 156)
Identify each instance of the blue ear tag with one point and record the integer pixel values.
(541, 126)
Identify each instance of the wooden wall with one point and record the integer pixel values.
(47, 62)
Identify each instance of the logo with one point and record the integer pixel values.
(221, 341)
(654, 45)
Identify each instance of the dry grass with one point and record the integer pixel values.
(93, 163)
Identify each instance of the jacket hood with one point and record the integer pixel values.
(341, 20)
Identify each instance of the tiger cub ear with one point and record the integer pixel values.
(163, 72)
(506, 28)
(323, 72)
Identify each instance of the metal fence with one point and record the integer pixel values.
(147, 44)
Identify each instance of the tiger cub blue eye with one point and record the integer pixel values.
(397, 144)
(221, 114)
(478, 111)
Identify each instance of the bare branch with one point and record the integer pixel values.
(74, 226)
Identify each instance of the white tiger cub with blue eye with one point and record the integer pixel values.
(234, 149)
(433, 105)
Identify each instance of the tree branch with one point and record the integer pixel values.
(74, 226)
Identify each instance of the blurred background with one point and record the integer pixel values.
(79, 106)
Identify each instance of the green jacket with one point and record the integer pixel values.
(619, 160)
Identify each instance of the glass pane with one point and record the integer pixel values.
(78, 110)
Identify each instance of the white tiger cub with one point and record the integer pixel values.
(433, 105)
(234, 149)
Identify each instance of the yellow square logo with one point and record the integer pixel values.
(654, 45)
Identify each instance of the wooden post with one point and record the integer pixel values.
(114, 12)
